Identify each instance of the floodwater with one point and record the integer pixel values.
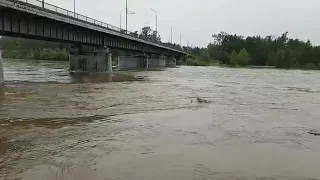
(148, 126)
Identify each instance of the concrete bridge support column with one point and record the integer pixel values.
(88, 59)
(171, 62)
(147, 62)
(162, 61)
(133, 62)
(1, 70)
(109, 64)
(157, 62)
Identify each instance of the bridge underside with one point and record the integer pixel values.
(23, 20)
(21, 24)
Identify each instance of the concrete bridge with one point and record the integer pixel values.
(92, 39)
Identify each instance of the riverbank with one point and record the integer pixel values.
(194, 62)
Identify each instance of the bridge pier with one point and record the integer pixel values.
(141, 62)
(109, 64)
(89, 59)
(1, 71)
(147, 62)
(133, 62)
(157, 62)
(171, 62)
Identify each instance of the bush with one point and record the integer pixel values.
(224, 57)
(37, 54)
(310, 66)
(204, 56)
(243, 58)
(286, 59)
(271, 59)
(193, 62)
(233, 58)
(197, 61)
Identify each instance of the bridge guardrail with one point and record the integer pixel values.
(72, 14)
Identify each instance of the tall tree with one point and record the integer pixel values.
(148, 34)
(243, 58)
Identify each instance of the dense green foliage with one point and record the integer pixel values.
(37, 54)
(235, 50)
(31, 49)
(148, 34)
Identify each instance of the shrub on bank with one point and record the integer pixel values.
(37, 54)
(310, 66)
(200, 61)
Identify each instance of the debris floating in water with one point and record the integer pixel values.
(314, 132)
(200, 100)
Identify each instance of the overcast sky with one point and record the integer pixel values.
(197, 20)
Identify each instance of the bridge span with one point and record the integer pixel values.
(92, 39)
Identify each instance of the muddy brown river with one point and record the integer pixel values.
(148, 125)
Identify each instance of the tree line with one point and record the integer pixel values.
(17, 48)
(237, 50)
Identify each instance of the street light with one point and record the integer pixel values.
(74, 8)
(121, 19)
(126, 16)
(180, 39)
(127, 12)
(156, 21)
(171, 34)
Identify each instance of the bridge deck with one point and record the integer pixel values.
(49, 11)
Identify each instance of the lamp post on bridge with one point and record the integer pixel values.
(156, 21)
(126, 16)
(121, 19)
(180, 40)
(127, 12)
(171, 34)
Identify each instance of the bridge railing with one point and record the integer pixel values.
(87, 19)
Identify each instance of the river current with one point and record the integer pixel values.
(148, 125)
